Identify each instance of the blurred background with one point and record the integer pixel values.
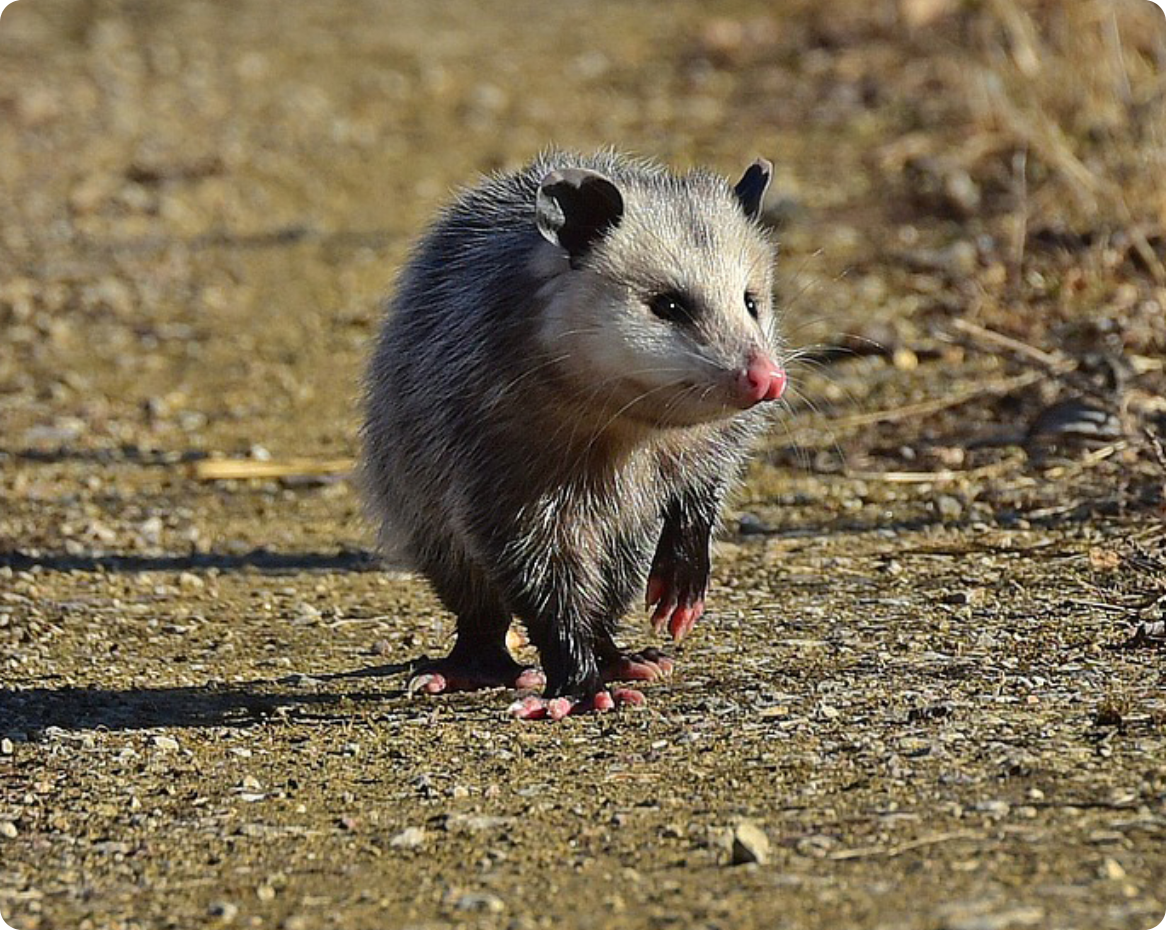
(205, 204)
(931, 669)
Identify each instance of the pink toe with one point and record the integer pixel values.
(429, 683)
(529, 708)
(628, 696)
(640, 670)
(684, 619)
(558, 708)
(660, 617)
(531, 679)
(680, 623)
(603, 701)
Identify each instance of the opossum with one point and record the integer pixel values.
(565, 386)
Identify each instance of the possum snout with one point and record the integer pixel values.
(759, 380)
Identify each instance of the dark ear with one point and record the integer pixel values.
(750, 190)
(575, 207)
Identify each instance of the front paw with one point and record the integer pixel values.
(677, 593)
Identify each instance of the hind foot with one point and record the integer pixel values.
(474, 673)
(645, 665)
(678, 599)
(537, 708)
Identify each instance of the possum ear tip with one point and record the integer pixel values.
(750, 190)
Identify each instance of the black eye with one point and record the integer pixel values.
(670, 307)
(751, 305)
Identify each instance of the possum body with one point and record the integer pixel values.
(564, 388)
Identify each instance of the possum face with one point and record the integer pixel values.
(658, 295)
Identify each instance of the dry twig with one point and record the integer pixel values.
(890, 852)
(231, 469)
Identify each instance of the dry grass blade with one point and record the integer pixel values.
(944, 476)
(890, 852)
(924, 408)
(242, 469)
(1054, 361)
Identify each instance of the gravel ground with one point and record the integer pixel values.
(929, 690)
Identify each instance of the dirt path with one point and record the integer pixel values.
(919, 678)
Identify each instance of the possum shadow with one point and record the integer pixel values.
(27, 712)
(263, 560)
(112, 455)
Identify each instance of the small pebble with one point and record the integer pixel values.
(921, 13)
(165, 742)
(190, 581)
(490, 903)
(993, 808)
(223, 910)
(409, 838)
(1004, 920)
(948, 507)
(1112, 870)
(8, 829)
(6, 746)
(750, 844)
(750, 524)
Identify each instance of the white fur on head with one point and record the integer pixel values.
(692, 236)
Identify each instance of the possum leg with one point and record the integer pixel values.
(567, 627)
(680, 569)
(575, 682)
(587, 695)
(626, 555)
(479, 658)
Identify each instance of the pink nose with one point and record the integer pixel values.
(762, 379)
